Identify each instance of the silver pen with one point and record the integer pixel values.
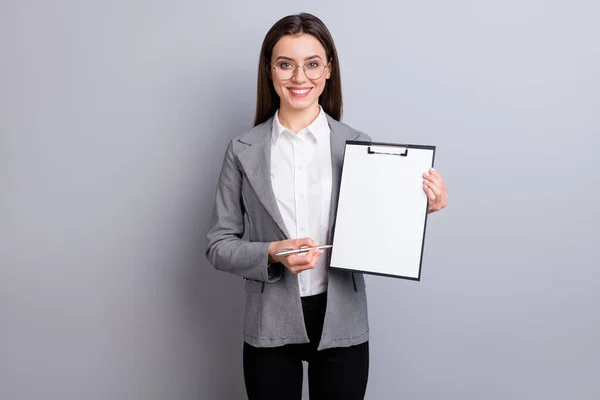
(287, 252)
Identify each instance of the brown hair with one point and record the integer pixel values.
(267, 100)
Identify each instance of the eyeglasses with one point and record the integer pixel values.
(286, 70)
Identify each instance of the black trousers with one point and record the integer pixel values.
(276, 373)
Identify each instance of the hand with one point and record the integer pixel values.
(434, 186)
(295, 262)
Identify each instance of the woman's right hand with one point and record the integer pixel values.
(294, 262)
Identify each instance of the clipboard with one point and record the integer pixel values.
(381, 217)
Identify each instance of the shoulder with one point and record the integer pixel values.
(348, 131)
(361, 136)
(257, 135)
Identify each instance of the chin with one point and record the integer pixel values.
(302, 105)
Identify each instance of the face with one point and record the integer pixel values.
(299, 92)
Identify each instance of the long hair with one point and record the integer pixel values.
(267, 100)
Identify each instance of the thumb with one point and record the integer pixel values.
(305, 242)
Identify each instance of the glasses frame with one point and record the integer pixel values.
(273, 67)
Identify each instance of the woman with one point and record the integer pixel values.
(279, 182)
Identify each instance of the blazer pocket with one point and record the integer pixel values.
(359, 281)
(254, 286)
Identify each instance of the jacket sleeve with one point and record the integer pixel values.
(226, 250)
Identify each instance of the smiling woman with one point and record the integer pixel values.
(283, 178)
(299, 89)
(293, 41)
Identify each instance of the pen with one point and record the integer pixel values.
(287, 252)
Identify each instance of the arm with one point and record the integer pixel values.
(226, 250)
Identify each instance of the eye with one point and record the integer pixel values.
(284, 65)
(313, 64)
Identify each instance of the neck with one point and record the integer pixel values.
(296, 120)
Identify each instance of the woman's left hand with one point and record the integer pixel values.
(434, 186)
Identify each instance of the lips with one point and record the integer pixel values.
(299, 92)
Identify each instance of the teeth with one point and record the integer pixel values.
(300, 91)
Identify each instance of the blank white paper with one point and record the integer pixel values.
(382, 210)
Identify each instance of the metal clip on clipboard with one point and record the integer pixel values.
(391, 150)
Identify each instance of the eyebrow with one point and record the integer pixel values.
(291, 59)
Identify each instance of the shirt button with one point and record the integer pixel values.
(301, 196)
(303, 289)
(300, 166)
(302, 228)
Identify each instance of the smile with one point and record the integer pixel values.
(300, 92)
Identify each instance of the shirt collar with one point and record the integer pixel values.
(319, 127)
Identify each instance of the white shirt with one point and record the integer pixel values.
(301, 180)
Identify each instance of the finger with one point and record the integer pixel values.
(432, 202)
(435, 181)
(429, 172)
(299, 268)
(311, 258)
(316, 253)
(435, 178)
(298, 244)
(430, 194)
(431, 206)
(441, 195)
(306, 241)
(296, 268)
(434, 188)
(311, 254)
(439, 181)
(433, 173)
(298, 260)
(314, 259)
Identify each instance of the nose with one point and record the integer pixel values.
(299, 75)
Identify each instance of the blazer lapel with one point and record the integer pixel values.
(256, 162)
(339, 135)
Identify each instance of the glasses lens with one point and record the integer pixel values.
(314, 69)
(285, 70)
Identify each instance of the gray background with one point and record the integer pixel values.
(114, 117)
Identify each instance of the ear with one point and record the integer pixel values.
(329, 70)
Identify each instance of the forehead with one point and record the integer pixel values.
(298, 47)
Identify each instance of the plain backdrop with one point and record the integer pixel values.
(114, 118)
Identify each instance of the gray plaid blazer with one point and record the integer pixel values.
(245, 202)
